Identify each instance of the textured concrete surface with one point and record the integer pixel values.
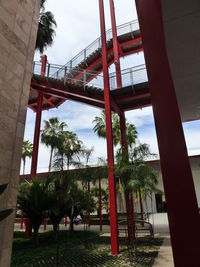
(181, 24)
(18, 29)
(164, 258)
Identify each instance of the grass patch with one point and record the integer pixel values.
(81, 249)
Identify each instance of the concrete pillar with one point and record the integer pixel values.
(18, 29)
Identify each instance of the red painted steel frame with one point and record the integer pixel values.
(100, 205)
(38, 123)
(89, 204)
(119, 85)
(182, 208)
(45, 223)
(109, 137)
(22, 221)
(115, 45)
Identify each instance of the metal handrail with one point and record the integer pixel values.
(95, 45)
(130, 76)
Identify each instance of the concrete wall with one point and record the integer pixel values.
(18, 29)
(195, 167)
(181, 24)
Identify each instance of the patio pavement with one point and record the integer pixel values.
(161, 229)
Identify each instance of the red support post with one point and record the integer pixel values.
(45, 223)
(119, 85)
(115, 45)
(100, 206)
(89, 204)
(178, 182)
(22, 221)
(109, 137)
(38, 123)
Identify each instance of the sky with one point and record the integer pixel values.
(77, 27)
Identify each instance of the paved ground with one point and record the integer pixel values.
(164, 258)
(161, 228)
(158, 220)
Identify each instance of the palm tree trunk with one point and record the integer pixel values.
(72, 217)
(36, 239)
(50, 160)
(89, 204)
(121, 196)
(141, 205)
(68, 163)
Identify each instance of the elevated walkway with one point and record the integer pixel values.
(81, 80)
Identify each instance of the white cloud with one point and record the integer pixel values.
(78, 26)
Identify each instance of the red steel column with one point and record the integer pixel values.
(38, 123)
(119, 85)
(100, 205)
(22, 221)
(109, 137)
(182, 208)
(45, 223)
(115, 45)
(89, 204)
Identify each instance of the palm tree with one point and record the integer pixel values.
(50, 135)
(142, 178)
(27, 150)
(68, 150)
(77, 203)
(34, 199)
(60, 190)
(131, 135)
(100, 128)
(46, 27)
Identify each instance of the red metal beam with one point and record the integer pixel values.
(48, 101)
(100, 206)
(109, 137)
(62, 92)
(89, 204)
(137, 41)
(122, 114)
(65, 96)
(36, 135)
(110, 51)
(38, 124)
(182, 206)
(115, 45)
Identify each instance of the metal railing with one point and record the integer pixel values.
(130, 76)
(94, 46)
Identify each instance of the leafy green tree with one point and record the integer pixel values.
(131, 135)
(59, 188)
(104, 198)
(27, 150)
(34, 200)
(50, 135)
(46, 28)
(68, 150)
(141, 176)
(77, 203)
(100, 128)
